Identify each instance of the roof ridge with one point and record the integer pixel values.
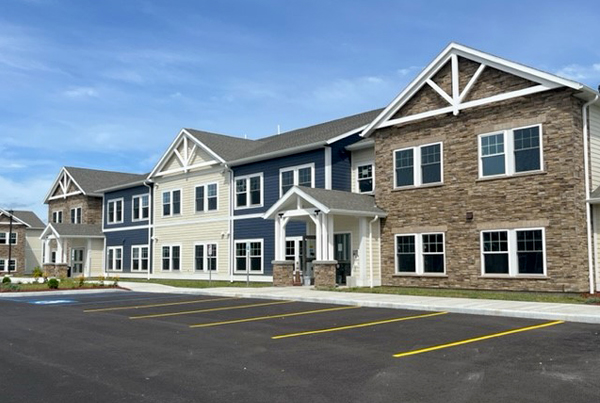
(101, 170)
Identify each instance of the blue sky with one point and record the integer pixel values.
(108, 84)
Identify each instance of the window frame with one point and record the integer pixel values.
(419, 255)
(262, 256)
(248, 178)
(418, 166)
(6, 265)
(296, 169)
(140, 259)
(8, 240)
(141, 218)
(513, 260)
(162, 203)
(114, 259)
(205, 256)
(509, 152)
(171, 246)
(55, 215)
(357, 179)
(78, 215)
(205, 202)
(115, 221)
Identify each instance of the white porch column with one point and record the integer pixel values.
(88, 258)
(47, 250)
(277, 236)
(362, 249)
(325, 237)
(330, 244)
(281, 244)
(319, 237)
(59, 250)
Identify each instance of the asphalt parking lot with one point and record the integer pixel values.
(135, 347)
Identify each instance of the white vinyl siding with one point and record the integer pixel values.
(594, 117)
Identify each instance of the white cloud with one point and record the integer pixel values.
(589, 74)
(81, 92)
(27, 194)
(128, 76)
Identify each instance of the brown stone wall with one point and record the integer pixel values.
(56, 270)
(553, 199)
(283, 272)
(324, 273)
(17, 251)
(91, 208)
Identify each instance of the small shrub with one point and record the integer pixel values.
(53, 284)
(13, 287)
(6, 280)
(37, 272)
(101, 280)
(116, 281)
(81, 281)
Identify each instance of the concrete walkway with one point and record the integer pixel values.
(531, 310)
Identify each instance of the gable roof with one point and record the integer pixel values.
(29, 218)
(90, 180)
(73, 230)
(544, 80)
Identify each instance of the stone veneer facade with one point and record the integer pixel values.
(553, 199)
(17, 251)
(91, 208)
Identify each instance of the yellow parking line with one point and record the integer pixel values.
(224, 308)
(284, 315)
(480, 338)
(118, 308)
(359, 325)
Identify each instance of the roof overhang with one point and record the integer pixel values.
(16, 219)
(122, 186)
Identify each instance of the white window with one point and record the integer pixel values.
(115, 211)
(249, 255)
(11, 267)
(248, 191)
(207, 197)
(4, 236)
(420, 254)
(139, 258)
(365, 178)
(513, 252)
(114, 258)
(171, 203)
(76, 215)
(171, 257)
(205, 256)
(140, 208)
(57, 217)
(418, 166)
(510, 152)
(302, 175)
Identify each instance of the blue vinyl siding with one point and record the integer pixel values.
(127, 239)
(341, 176)
(127, 195)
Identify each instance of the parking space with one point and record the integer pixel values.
(159, 347)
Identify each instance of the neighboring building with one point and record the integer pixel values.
(73, 239)
(25, 244)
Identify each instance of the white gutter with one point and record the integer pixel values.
(150, 221)
(588, 207)
(371, 247)
(231, 246)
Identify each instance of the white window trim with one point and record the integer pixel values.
(171, 203)
(417, 175)
(205, 186)
(262, 256)
(115, 221)
(7, 265)
(295, 169)
(56, 212)
(357, 181)
(71, 215)
(509, 152)
(419, 265)
(247, 179)
(139, 259)
(513, 262)
(205, 257)
(7, 235)
(170, 246)
(140, 196)
(114, 259)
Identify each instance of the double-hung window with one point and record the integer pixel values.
(171, 258)
(206, 257)
(248, 191)
(206, 197)
(171, 203)
(115, 211)
(114, 258)
(418, 166)
(5, 264)
(302, 175)
(140, 208)
(57, 217)
(76, 215)
(249, 256)
(420, 254)
(513, 252)
(510, 152)
(4, 237)
(364, 178)
(139, 258)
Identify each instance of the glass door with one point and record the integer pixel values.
(309, 244)
(342, 254)
(76, 262)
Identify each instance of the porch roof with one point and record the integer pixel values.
(329, 201)
(73, 230)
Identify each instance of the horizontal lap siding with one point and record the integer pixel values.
(340, 163)
(595, 146)
(127, 196)
(127, 239)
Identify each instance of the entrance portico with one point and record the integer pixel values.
(345, 227)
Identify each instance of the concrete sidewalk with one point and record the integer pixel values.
(518, 309)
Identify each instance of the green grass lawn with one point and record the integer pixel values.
(199, 283)
(570, 298)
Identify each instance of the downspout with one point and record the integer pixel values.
(371, 247)
(148, 184)
(231, 195)
(588, 206)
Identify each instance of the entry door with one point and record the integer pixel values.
(294, 250)
(343, 256)
(77, 262)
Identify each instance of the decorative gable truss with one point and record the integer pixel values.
(185, 153)
(461, 78)
(63, 187)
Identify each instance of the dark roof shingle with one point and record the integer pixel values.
(91, 180)
(30, 218)
(346, 201)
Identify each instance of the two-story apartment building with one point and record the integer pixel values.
(20, 246)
